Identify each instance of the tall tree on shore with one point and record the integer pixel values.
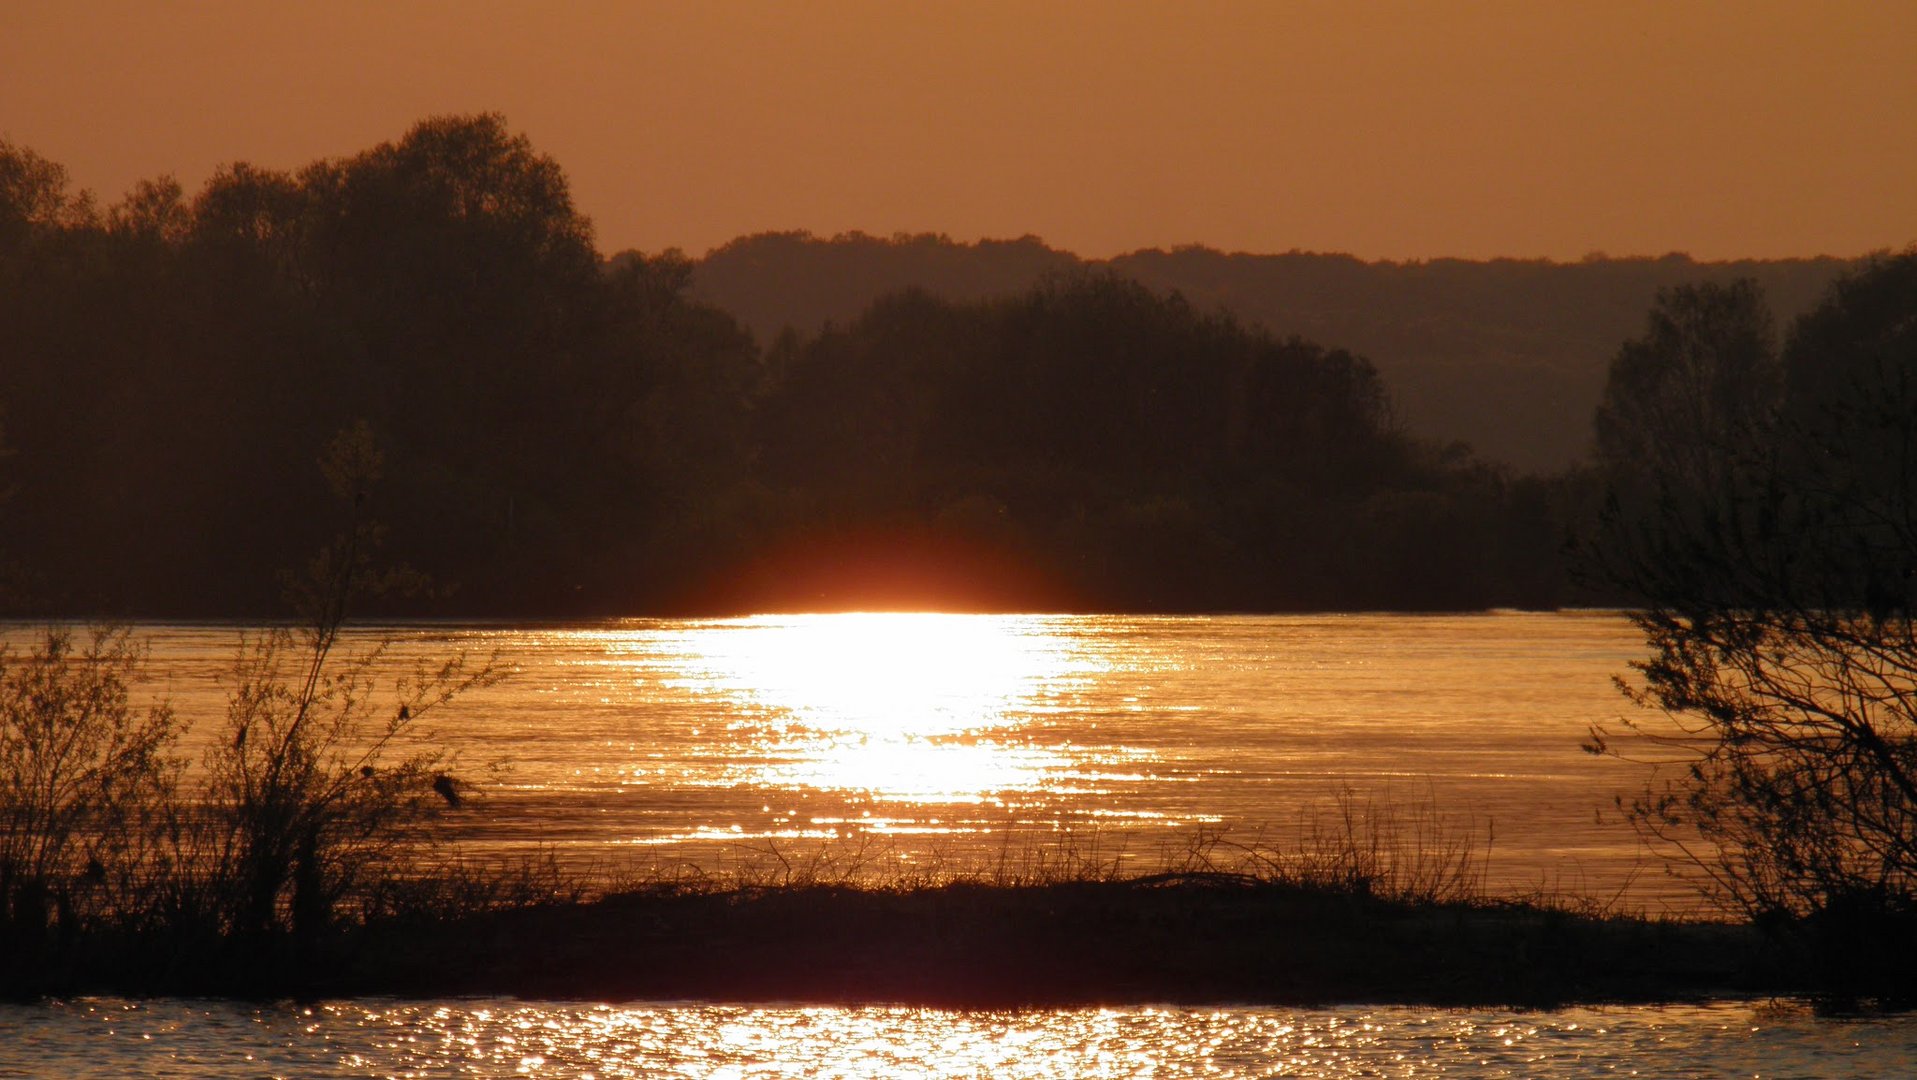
(1780, 606)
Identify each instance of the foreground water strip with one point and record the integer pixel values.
(499, 1037)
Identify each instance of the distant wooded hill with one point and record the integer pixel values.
(1508, 355)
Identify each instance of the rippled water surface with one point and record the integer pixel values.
(960, 741)
(509, 1038)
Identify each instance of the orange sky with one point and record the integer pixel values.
(1386, 130)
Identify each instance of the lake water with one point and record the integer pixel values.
(921, 743)
(955, 743)
(504, 1038)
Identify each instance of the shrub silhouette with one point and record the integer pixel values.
(82, 773)
(318, 785)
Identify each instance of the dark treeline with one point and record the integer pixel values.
(565, 434)
(1142, 455)
(1508, 355)
(172, 367)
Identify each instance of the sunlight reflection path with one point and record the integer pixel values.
(906, 707)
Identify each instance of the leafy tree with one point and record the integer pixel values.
(1778, 607)
(1851, 378)
(155, 210)
(1699, 381)
(34, 198)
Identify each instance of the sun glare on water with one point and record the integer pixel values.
(915, 707)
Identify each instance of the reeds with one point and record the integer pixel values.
(1370, 845)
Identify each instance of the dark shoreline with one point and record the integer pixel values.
(1162, 939)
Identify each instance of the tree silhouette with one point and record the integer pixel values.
(1702, 379)
(1777, 602)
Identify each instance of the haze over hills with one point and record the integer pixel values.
(1506, 355)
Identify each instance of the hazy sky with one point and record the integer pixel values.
(1386, 130)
